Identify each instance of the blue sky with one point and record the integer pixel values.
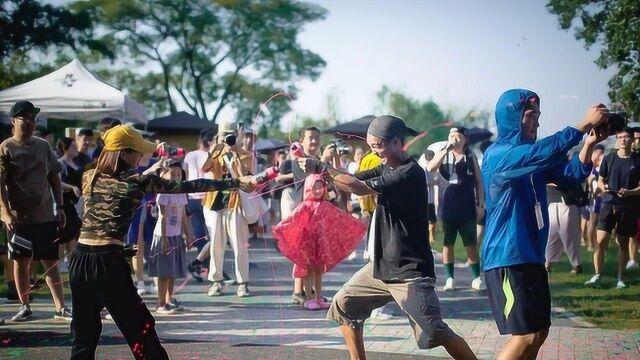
(461, 54)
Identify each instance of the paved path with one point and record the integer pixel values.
(266, 326)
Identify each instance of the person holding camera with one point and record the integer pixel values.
(292, 196)
(620, 184)
(515, 170)
(223, 209)
(29, 186)
(462, 204)
(99, 273)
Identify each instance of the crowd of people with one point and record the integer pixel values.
(106, 195)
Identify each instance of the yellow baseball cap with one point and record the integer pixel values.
(125, 137)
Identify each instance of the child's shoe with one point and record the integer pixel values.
(323, 303)
(312, 305)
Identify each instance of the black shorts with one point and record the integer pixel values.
(3, 240)
(44, 239)
(431, 214)
(466, 229)
(621, 219)
(520, 298)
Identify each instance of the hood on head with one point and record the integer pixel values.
(509, 112)
(308, 186)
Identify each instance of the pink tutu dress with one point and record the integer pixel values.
(317, 233)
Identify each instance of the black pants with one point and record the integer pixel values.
(100, 277)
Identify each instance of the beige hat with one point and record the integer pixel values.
(227, 126)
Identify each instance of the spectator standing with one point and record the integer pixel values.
(462, 204)
(29, 186)
(84, 141)
(620, 184)
(223, 210)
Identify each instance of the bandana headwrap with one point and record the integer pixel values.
(388, 127)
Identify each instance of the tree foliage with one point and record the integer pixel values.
(207, 54)
(29, 31)
(614, 24)
(419, 115)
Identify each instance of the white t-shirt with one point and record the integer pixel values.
(193, 163)
(173, 211)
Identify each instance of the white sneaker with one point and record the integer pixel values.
(141, 289)
(477, 284)
(215, 289)
(632, 265)
(594, 281)
(381, 314)
(621, 285)
(352, 256)
(449, 285)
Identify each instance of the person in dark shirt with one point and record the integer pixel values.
(84, 138)
(620, 184)
(462, 204)
(403, 268)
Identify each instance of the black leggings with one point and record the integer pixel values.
(100, 277)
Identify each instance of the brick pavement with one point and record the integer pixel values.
(267, 320)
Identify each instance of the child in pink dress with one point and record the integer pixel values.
(316, 237)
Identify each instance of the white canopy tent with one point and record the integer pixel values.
(74, 93)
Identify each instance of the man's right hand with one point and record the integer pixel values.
(9, 220)
(595, 116)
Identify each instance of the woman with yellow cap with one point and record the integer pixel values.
(99, 273)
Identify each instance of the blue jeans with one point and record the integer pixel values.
(197, 223)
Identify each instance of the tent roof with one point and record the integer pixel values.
(357, 127)
(75, 93)
(180, 122)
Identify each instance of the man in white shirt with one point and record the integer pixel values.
(192, 165)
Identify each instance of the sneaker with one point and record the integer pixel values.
(312, 305)
(621, 285)
(195, 269)
(243, 290)
(141, 288)
(449, 285)
(215, 289)
(594, 282)
(63, 314)
(24, 314)
(381, 314)
(477, 284)
(632, 265)
(298, 298)
(166, 309)
(177, 305)
(577, 270)
(324, 304)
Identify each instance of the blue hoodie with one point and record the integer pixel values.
(515, 173)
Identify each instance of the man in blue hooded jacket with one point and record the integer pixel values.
(515, 171)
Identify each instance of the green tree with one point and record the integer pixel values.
(29, 31)
(419, 115)
(615, 25)
(207, 54)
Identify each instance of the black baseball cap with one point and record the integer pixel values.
(23, 106)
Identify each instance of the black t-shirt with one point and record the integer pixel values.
(285, 168)
(400, 227)
(82, 160)
(619, 173)
(459, 198)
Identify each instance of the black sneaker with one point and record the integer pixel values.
(195, 270)
(23, 314)
(63, 314)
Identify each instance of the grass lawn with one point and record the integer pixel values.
(606, 307)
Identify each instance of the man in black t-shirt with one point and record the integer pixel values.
(402, 269)
(620, 184)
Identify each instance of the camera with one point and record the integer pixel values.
(341, 147)
(617, 122)
(170, 151)
(230, 139)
